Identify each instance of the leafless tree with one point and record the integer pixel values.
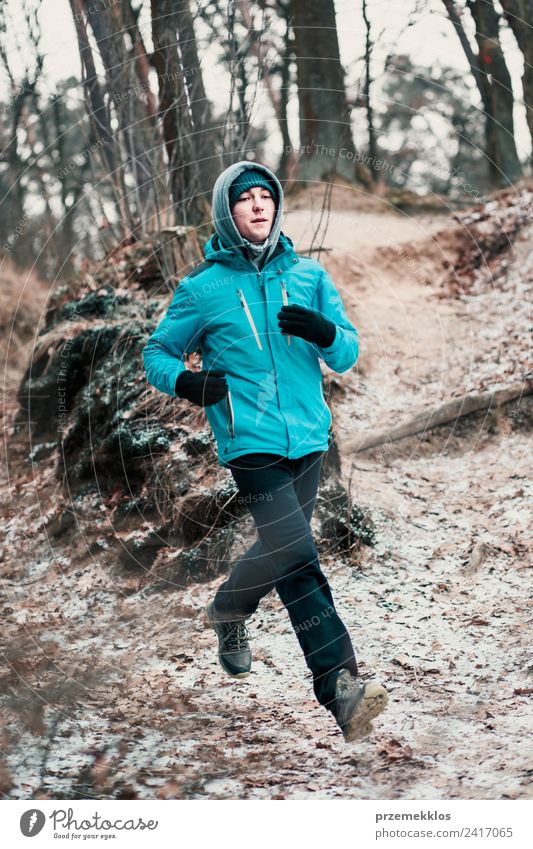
(493, 81)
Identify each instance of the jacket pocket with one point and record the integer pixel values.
(250, 318)
(285, 299)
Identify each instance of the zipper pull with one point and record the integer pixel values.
(250, 318)
(285, 299)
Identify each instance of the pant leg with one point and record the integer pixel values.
(255, 559)
(256, 552)
(307, 597)
(281, 495)
(285, 541)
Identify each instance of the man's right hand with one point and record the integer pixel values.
(202, 388)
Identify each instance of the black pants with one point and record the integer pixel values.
(280, 494)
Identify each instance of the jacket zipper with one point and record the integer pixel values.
(329, 410)
(250, 318)
(231, 415)
(229, 405)
(285, 300)
(262, 287)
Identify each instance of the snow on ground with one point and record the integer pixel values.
(113, 686)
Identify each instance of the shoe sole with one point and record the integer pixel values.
(374, 702)
(231, 674)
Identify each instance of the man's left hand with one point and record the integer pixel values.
(295, 320)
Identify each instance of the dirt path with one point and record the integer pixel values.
(129, 694)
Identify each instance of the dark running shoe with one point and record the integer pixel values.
(357, 703)
(233, 648)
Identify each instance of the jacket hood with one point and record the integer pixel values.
(225, 227)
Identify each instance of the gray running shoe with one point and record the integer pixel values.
(233, 648)
(357, 703)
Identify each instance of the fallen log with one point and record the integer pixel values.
(443, 414)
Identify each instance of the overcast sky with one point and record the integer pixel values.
(432, 38)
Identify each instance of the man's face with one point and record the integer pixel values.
(254, 212)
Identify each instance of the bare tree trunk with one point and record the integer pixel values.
(97, 111)
(15, 243)
(372, 140)
(493, 81)
(504, 164)
(445, 413)
(16, 168)
(279, 100)
(287, 163)
(100, 128)
(137, 133)
(326, 141)
(204, 133)
(519, 16)
(142, 64)
(174, 109)
(471, 57)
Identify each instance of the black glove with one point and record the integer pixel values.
(308, 324)
(203, 388)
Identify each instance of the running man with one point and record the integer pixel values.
(263, 317)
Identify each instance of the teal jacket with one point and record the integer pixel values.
(227, 308)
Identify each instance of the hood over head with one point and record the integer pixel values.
(224, 224)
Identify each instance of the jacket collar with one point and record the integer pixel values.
(282, 257)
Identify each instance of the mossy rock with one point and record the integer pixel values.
(203, 511)
(141, 550)
(134, 440)
(344, 526)
(204, 562)
(52, 382)
(199, 444)
(101, 304)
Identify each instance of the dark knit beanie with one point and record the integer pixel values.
(247, 180)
